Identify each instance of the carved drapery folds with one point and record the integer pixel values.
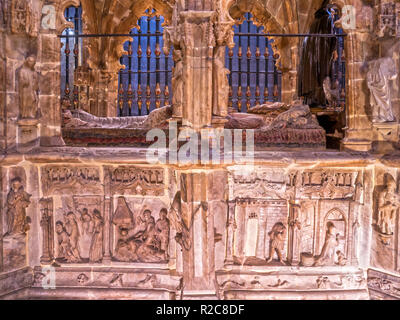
(385, 236)
(319, 228)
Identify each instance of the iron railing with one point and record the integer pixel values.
(145, 82)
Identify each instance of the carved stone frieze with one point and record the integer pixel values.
(70, 180)
(135, 181)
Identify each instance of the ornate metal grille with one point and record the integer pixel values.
(254, 77)
(145, 82)
(71, 57)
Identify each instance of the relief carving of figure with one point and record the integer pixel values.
(277, 241)
(96, 246)
(28, 87)
(221, 84)
(380, 72)
(71, 227)
(17, 202)
(87, 229)
(327, 256)
(150, 248)
(64, 247)
(147, 241)
(177, 84)
(388, 204)
(297, 117)
(162, 228)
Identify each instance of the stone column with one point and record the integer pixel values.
(107, 216)
(49, 86)
(198, 41)
(359, 47)
(46, 222)
(230, 227)
(200, 192)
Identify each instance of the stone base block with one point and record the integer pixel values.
(28, 135)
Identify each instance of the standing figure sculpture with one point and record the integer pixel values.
(221, 84)
(17, 202)
(379, 74)
(96, 246)
(71, 227)
(388, 204)
(28, 87)
(277, 241)
(317, 57)
(327, 256)
(177, 84)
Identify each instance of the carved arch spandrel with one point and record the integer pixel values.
(116, 17)
(283, 19)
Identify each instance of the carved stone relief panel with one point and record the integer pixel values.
(260, 232)
(129, 180)
(257, 182)
(79, 229)
(385, 221)
(16, 222)
(141, 230)
(326, 184)
(59, 180)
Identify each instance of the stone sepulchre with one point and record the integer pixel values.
(311, 211)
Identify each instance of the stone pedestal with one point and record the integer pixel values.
(385, 136)
(28, 135)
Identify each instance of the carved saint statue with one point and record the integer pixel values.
(327, 256)
(379, 74)
(28, 87)
(277, 241)
(177, 84)
(96, 246)
(388, 204)
(17, 201)
(221, 84)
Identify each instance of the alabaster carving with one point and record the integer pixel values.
(23, 18)
(297, 117)
(140, 238)
(327, 255)
(332, 95)
(17, 202)
(135, 180)
(277, 241)
(81, 119)
(28, 87)
(388, 205)
(380, 73)
(60, 179)
(182, 216)
(220, 85)
(96, 243)
(46, 222)
(177, 84)
(68, 239)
